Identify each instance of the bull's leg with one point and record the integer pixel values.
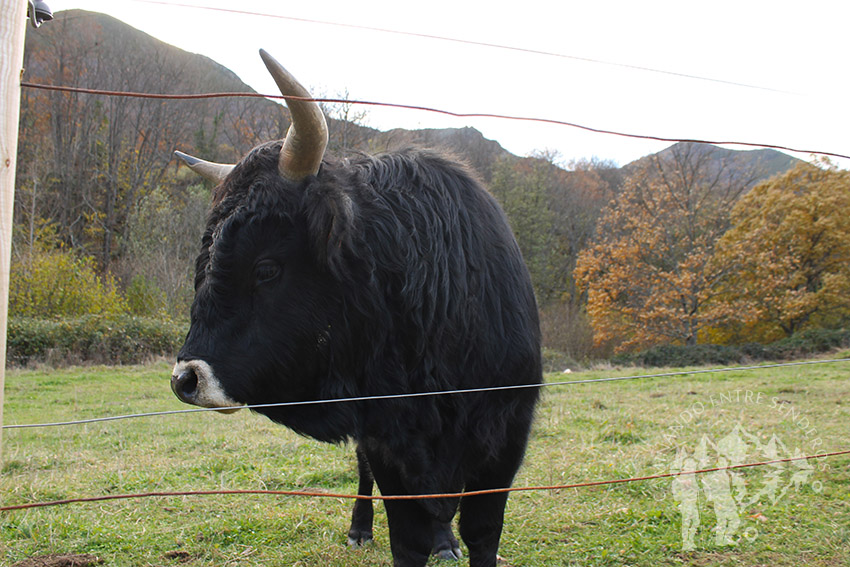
(360, 531)
(411, 538)
(481, 527)
(446, 545)
(481, 517)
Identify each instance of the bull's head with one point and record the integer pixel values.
(256, 283)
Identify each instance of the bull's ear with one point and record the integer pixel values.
(215, 172)
(331, 216)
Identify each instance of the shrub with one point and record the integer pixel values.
(806, 343)
(145, 298)
(566, 329)
(812, 341)
(121, 340)
(677, 355)
(54, 283)
(557, 361)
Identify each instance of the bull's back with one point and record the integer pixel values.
(464, 293)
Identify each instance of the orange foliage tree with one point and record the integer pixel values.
(649, 278)
(787, 256)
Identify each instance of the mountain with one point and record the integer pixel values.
(97, 177)
(467, 143)
(99, 51)
(98, 47)
(758, 164)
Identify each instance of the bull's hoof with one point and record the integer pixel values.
(450, 554)
(357, 538)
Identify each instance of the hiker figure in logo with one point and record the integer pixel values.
(726, 488)
(803, 472)
(736, 450)
(772, 488)
(718, 490)
(686, 492)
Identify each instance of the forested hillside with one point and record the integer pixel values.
(655, 252)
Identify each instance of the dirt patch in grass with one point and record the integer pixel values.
(60, 560)
(178, 556)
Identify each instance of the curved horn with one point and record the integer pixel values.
(305, 143)
(215, 172)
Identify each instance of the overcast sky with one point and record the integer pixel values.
(772, 72)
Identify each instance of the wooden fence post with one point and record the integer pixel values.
(13, 20)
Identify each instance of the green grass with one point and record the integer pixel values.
(582, 433)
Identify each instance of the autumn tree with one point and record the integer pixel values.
(648, 277)
(576, 202)
(98, 154)
(92, 169)
(787, 256)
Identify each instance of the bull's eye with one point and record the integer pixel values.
(266, 271)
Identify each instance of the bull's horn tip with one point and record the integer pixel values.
(187, 159)
(266, 56)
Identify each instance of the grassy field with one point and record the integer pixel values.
(582, 433)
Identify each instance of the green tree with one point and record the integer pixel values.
(161, 245)
(553, 213)
(523, 189)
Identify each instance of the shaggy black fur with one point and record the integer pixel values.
(382, 275)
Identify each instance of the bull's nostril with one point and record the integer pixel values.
(190, 382)
(185, 385)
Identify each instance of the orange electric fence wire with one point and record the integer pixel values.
(409, 496)
(195, 96)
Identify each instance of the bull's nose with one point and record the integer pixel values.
(184, 384)
(195, 382)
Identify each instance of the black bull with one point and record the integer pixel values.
(322, 279)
